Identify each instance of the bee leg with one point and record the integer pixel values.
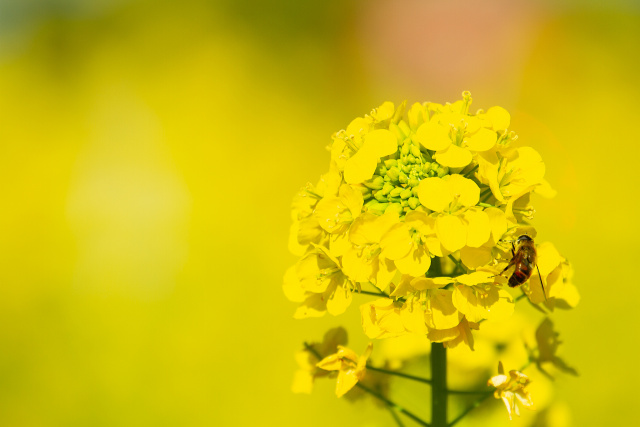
(541, 283)
(506, 268)
(513, 249)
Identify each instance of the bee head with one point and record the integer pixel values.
(524, 238)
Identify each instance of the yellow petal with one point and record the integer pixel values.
(499, 117)
(356, 267)
(383, 112)
(478, 228)
(434, 246)
(452, 232)
(475, 257)
(330, 363)
(443, 314)
(346, 381)
(435, 194)
(351, 198)
(291, 286)
(498, 221)
(360, 167)
(358, 127)
(433, 136)
(380, 143)
(548, 258)
(424, 283)
(383, 273)
(415, 263)
(397, 242)
(483, 140)
(339, 302)
(453, 157)
(467, 191)
(473, 303)
(475, 278)
(412, 317)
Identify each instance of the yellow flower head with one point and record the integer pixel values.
(350, 367)
(422, 203)
(512, 390)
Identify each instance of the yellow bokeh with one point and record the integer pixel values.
(149, 152)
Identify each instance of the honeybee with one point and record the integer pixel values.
(524, 257)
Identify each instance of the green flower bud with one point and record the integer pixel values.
(426, 167)
(387, 188)
(376, 207)
(405, 149)
(415, 150)
(442, 172)
(406, 169)
(390, 162)
(376, 183)
(414, 202)
(405, 127)
(380, 197)
(396, 192)
(406, 193)
(393, 173)
(403, 178)
(397, 131)
(413, 182)
(394, 207)
(411, 158)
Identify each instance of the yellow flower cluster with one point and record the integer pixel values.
(420, 205)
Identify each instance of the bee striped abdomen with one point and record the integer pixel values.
(519, 277)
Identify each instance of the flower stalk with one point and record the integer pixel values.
(439, 391)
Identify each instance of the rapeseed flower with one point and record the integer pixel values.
(350, 367)
(512, 390)
(419, 205)
(421, 208)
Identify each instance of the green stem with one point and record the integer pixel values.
(466, 175)
(438, 385)
(395, 416)
(470, 408)
(378, 294)
(400, 374)
(458, 264)
(393, 405)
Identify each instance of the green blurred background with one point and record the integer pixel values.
(150, 151)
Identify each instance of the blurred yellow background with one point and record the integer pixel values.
(150, 151)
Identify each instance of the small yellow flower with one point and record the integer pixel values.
(410, 242)
(319, 284)
(335, 214)
(350, 367)
(306, 359)
(362, 262)
(477, 297)
(511, 172)
(511, 389)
